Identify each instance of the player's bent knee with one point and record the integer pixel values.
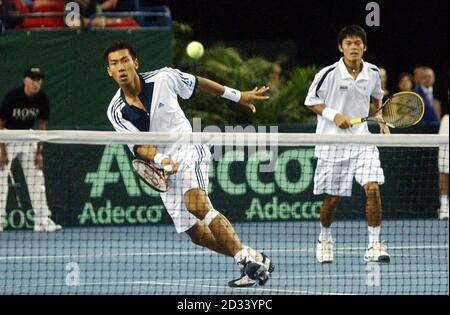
(196, 239)
(332, 201)
(210, 216)
(196, 234)
(197, 202)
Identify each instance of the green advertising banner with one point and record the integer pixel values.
(94, 185)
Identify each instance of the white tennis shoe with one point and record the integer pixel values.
(443, 212)
(257, 270)
(46, 225)
(243, 281)
(377, 253)
(324, 251)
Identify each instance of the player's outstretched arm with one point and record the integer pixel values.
(248, 97)
(245, 98)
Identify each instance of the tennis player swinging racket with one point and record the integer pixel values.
(149, 102)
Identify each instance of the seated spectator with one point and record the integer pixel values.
(274, 78)
(425, 90)
(125, 5)
(417, 76)
(429, 80)
(107, 5)
(28, 3)
(405, 82)
(7, 10)
(91, 7)
(87, 9)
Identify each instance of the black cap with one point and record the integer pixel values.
(33, 73)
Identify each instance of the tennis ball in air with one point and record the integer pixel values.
(195, 50)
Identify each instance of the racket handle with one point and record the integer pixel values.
(356, 121)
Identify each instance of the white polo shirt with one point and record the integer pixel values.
(163, 113)
(336, 88)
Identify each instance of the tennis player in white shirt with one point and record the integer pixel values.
(149, 102)
(339, 93)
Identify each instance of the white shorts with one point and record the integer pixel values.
(192, 174)
(335, 177)
(443, 151)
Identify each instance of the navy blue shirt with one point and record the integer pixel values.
(137, 116)
(429, 115)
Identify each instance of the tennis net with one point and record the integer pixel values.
(118, 238)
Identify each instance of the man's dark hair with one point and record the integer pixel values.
(352, 31)
(405, 74)
(119, 46)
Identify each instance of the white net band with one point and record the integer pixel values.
(216, 138)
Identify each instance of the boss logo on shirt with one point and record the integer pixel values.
(25, 113)
(343, 88)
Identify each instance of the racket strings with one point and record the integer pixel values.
(152, 176)
(404, 110)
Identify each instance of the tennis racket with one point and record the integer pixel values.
(151, 175)
(402, 110)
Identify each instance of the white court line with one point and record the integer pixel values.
(185, 283)
(180, 253)
(207, 252)
(250, 290)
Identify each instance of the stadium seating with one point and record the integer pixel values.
(127, 22)
(48, 6)
(43, 6)
(22, 7)
(44, 14)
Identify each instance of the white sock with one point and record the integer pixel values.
(444, 200)
(325, 233)
(242, 255)
(374, 235)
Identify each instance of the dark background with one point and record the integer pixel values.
(411, 32)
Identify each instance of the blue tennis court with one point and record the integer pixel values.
(156, 260)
